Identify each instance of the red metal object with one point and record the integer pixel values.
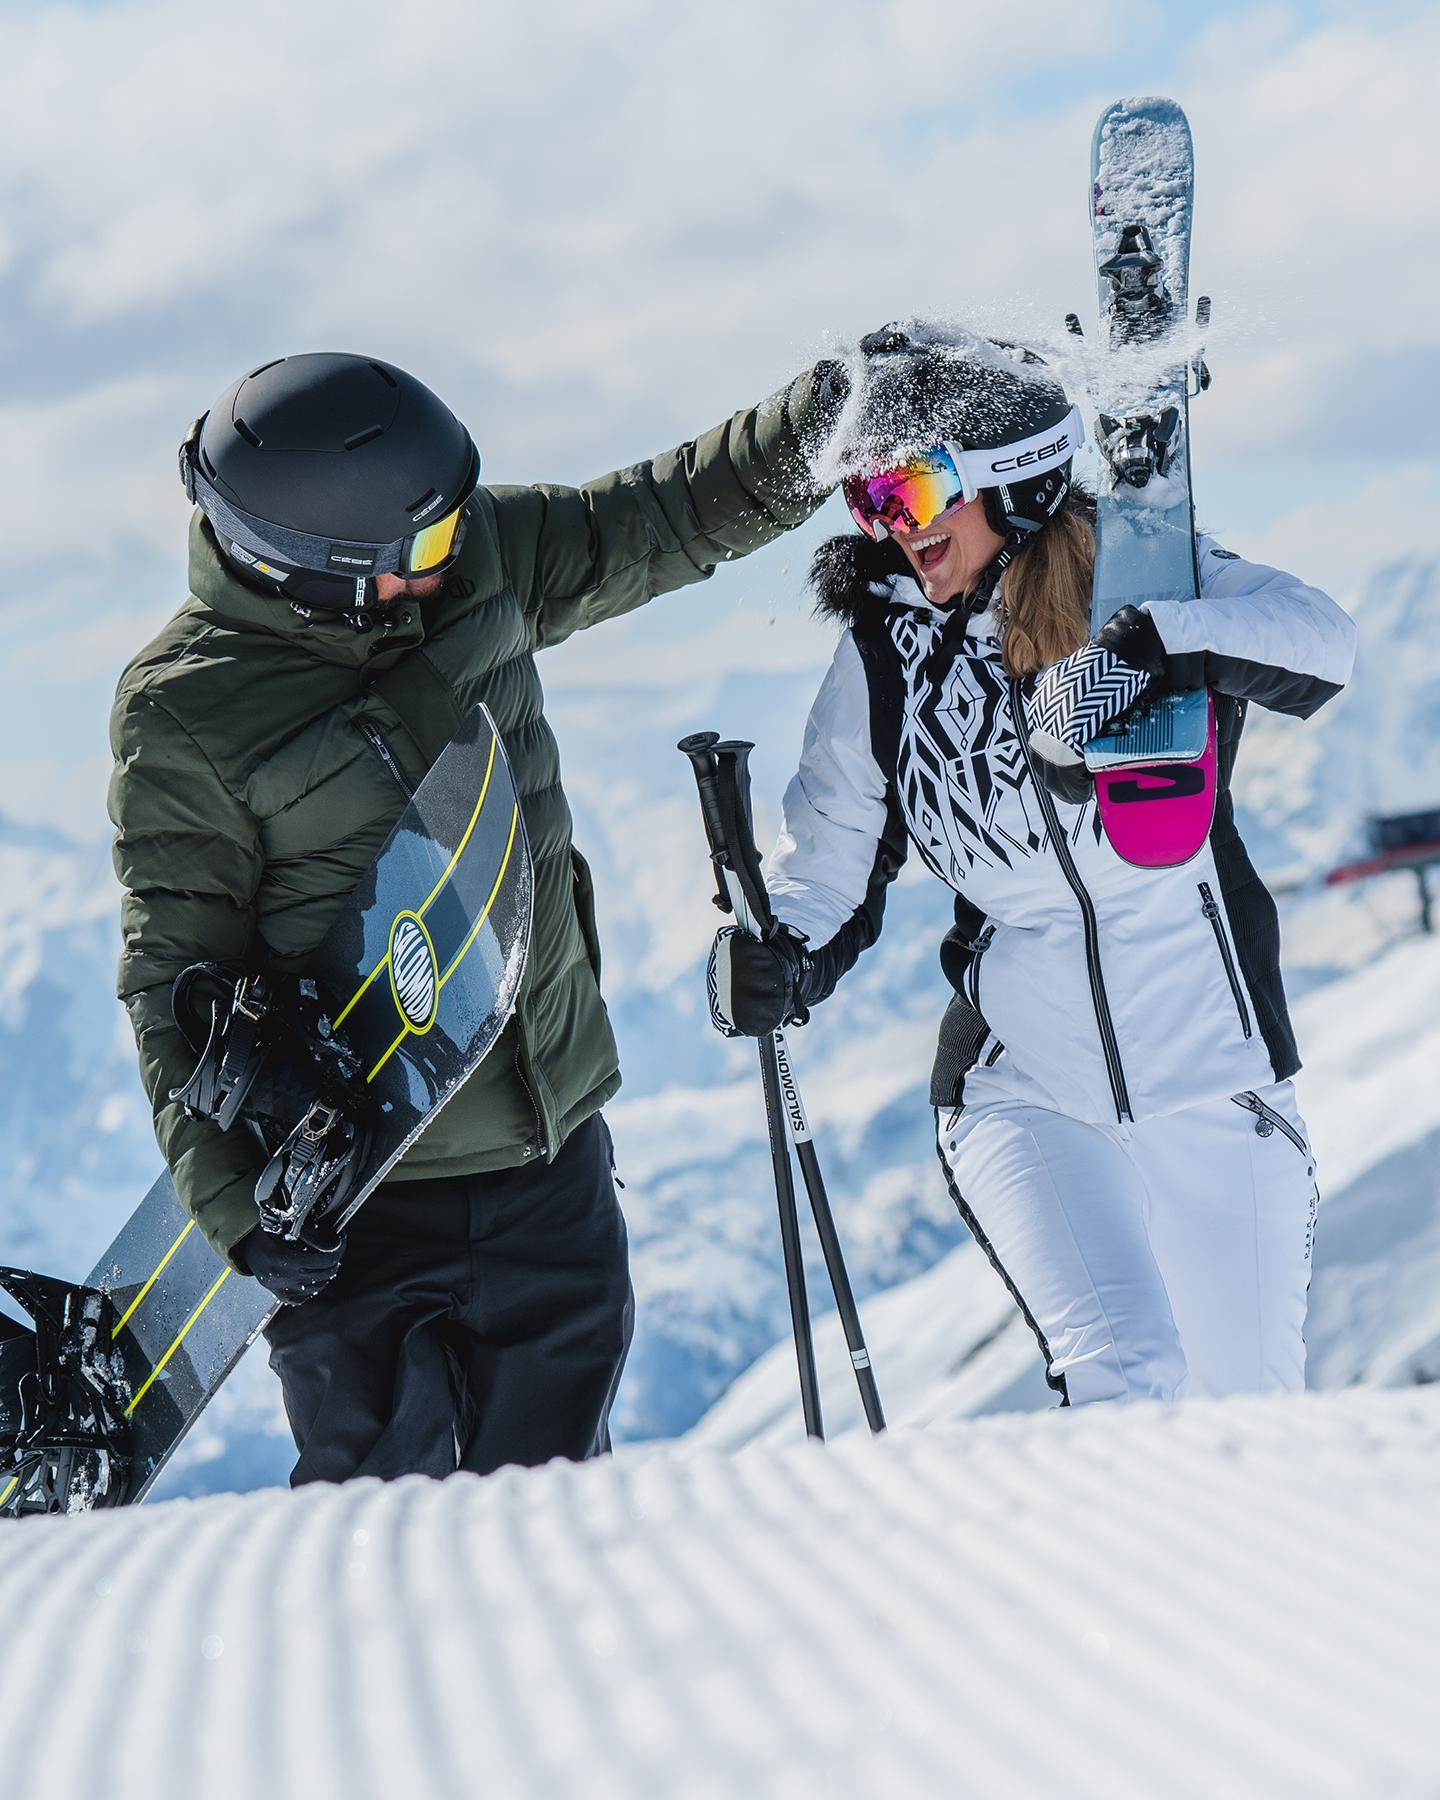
(1409, 856)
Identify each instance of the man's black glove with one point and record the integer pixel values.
(757, 984)
(830, 392)
(291, 1269)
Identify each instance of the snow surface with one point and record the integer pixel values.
(1232, 1598)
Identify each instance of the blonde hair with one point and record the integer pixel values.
(1045, 595)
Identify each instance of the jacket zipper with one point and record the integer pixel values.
(539, 1138)
(1212, 913)
(1268, 1120)
(1104, 1023)
(977, 950)
(377, 743)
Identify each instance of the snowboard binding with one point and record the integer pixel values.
(270, 1058)
(64, 1432)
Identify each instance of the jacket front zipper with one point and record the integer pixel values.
(1105, 1024)
(1268, 1120)
(372, 736)
(1212, 913)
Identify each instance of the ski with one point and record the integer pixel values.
(1155, 778)
(414, 982)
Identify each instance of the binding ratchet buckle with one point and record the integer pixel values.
(313, 1168)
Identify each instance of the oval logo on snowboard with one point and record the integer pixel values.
(414, 976)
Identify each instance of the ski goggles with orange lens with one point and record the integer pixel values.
(434, 547)
(942, 479)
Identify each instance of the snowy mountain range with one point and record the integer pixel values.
(689, 1124)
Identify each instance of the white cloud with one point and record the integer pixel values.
(1337, 542)
(92, 476)
(585, 224)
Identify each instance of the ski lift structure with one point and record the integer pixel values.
(1399, 841)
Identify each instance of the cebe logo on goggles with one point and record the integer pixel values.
(428, 551)
(946, 477)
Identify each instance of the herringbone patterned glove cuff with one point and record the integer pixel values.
(1083, 695)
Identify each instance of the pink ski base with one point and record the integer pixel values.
(1157, 815)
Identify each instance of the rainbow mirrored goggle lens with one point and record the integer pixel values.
(912, 495)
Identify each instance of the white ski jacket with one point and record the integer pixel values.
(1090, 987)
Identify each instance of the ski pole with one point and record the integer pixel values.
(722, 772)
(732, 759)
(730, 897)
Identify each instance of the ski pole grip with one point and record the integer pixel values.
(732, 771)
(699, 747)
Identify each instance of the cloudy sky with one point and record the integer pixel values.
(596, 229)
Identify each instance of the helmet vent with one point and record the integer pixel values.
(252, 438)
(414, 506)
(356, 439)
(384, 374)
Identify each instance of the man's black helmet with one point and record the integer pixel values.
(318, 472)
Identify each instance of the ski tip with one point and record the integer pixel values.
(1155, 110)
(1148, 106)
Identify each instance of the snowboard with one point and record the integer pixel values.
(1154, 778)
(418, 977)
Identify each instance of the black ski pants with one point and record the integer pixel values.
(475, 1321)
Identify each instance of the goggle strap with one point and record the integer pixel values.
(1027, 456)
(299, 550)
(188, 451)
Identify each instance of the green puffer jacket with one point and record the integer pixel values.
(251, 788)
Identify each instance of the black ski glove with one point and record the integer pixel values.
(757, 984)
(1131, 635)
(291, 1269)
(1067, 780)
(829, 394)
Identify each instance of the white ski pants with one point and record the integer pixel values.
(1153, 1260)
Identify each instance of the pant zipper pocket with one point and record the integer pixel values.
(1268, 1120)
(1212, 913)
